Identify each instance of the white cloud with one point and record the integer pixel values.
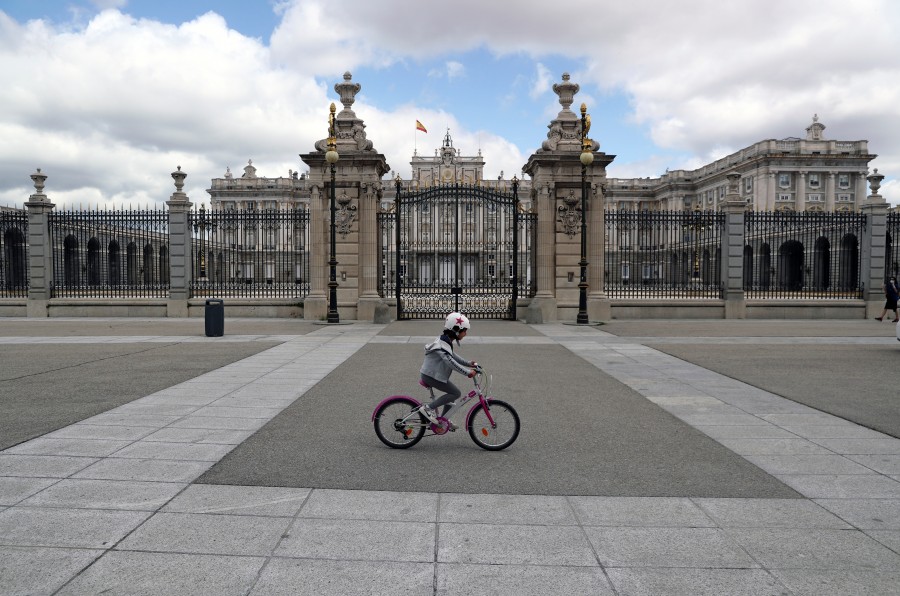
(450, 70)
(542, 81)
(455, 69)
(116, 104)
(119, 104)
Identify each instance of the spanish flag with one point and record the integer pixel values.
(420, 126)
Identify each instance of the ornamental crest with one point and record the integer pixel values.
(569, 214)
(344, 216)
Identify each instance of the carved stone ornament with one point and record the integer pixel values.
(569, 214)
(346, 213)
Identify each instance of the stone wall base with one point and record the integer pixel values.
(534, 311)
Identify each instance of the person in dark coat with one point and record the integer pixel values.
(891, 295)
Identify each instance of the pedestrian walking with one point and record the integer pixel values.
(891, 295)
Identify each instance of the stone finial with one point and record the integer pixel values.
(566, 91)
(38, 178)
(179, 177)
(347, 91)
(348, 131)
(814, 132)
(874, 181)
(565, 130)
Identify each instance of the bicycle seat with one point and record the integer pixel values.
(424, 384)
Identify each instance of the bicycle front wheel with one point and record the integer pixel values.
(397, 426)
(499, 435)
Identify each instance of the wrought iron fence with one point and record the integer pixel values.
(892, 244)
(387, 254)
(13, 254)
(805, 255)
(254, 253)
(105, 254)
(663, 254)
(459, 247)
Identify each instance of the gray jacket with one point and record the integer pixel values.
(440, 361)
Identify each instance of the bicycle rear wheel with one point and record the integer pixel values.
(502, 433)
(394, 425)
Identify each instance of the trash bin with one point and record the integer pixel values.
(215, 317)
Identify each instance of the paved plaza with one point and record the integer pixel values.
(656, 457)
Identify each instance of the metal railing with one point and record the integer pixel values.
(110, 254)
(250, 253)
(13, 254)
(892, 245)
(265, 254)
(457, 247)
(806, 255)
(663, 254)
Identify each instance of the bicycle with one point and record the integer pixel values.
(493, 424)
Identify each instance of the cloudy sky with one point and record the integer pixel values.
(107, 97)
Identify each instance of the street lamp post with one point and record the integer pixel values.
(587, 157)
(331, 156)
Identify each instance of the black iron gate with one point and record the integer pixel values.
(457, 248)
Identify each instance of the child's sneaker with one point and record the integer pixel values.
(429, 413)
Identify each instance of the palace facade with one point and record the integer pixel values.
(793, 174)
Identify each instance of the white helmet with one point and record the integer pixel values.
(457, 322)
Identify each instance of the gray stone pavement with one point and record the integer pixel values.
(110, 504)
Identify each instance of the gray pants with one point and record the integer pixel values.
(451, 392)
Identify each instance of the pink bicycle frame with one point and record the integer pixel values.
(482, 400)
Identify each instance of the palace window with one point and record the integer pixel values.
(844, 180)
(814, 181)
(784, 180)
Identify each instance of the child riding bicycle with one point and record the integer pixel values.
(440, 362)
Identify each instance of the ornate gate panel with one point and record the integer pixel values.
(457, 247)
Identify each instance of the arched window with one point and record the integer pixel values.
(16, 275)
(163, 265)
(70, 261)
(822, 264)
(849, 262)
(131, 270)
(93, 262)
(790, 265)
(114, 267)
(147, 268)
(707, 275)
(748, 267)
(765, 266)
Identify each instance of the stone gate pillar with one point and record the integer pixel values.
(40, 249)
(555, 170)
(180, 265)
(873, 247)
(357, 194)
(732, 250)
